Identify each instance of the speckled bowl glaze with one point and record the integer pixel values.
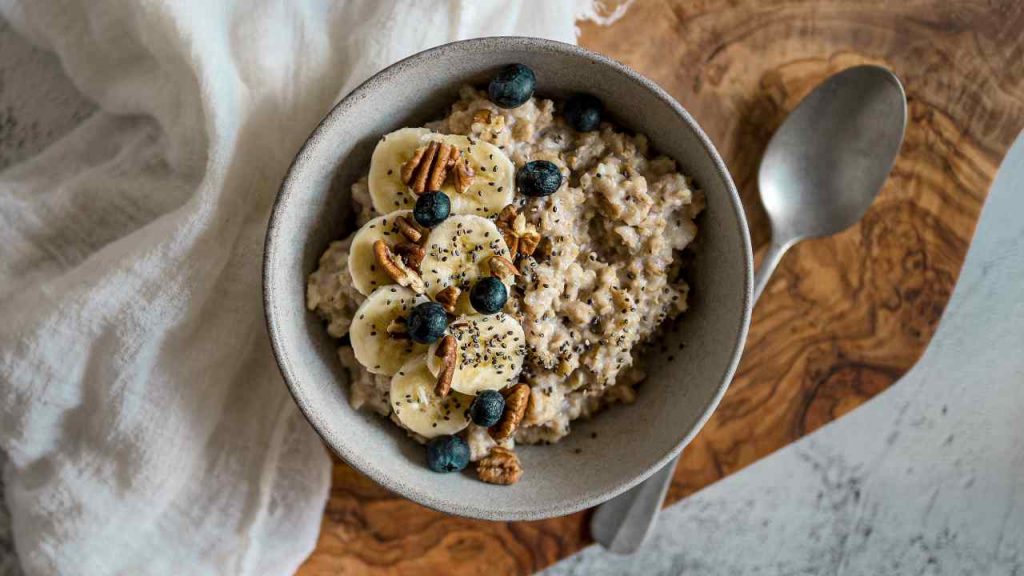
(684, 384)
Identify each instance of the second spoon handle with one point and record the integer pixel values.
(621, 525)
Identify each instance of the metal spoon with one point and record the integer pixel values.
(821, 171)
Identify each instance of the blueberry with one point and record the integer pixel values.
(583, 112)
(432, 208)
(447, 454)
(488, 295)
(539, 178)
(426, 323)
(487, 408)
(513, 86)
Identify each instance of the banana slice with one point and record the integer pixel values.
(490, 352)
(367, 275)
(459, 251)
(493, 184)
(378, 352)
(419, 409)
(387, 190)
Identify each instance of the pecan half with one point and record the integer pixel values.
(520, 237)
(513, 245)
(516, 399)
(463, 174)
(419, 185)
(504, 223)
(442, 163)
(409, 168)
(447, 298)
(396, 269)
(448, 353)
(528, 242)
(416, 171)
(429, 166)
(409, 228)
(502, 267)
(413, 254)
(501, 466)
(508, 214)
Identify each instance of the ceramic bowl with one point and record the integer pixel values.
(685, 382)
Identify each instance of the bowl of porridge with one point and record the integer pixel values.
(507, 278)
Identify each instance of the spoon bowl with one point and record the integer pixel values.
(827, 162)
(824, 166)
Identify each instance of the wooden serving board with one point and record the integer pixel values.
(844, 317)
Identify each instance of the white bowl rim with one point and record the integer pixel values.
(571, 504)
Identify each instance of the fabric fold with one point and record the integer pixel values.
(146, 426)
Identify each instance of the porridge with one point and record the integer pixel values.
(511, 261)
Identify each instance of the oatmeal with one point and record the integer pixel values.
(582, 255)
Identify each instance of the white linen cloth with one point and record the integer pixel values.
(146, 425)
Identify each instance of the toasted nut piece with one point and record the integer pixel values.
(482, 115)
(409, 228)
(508, 213)
(512, 242)
(447, 298)
(507, 216)
(413, 254)
(516, 399)
(417, 171)
(448, 353)
(463, 175)
(420, 185)
(396, 269)
(520, 237)
(504, 223)
(409, 168)
(430, 166)
(439, 168)
(502, 267)
(527, 243)
(501, 466)
(396, 329)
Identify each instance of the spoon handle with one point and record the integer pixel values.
(768, 263)
(621, 525)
